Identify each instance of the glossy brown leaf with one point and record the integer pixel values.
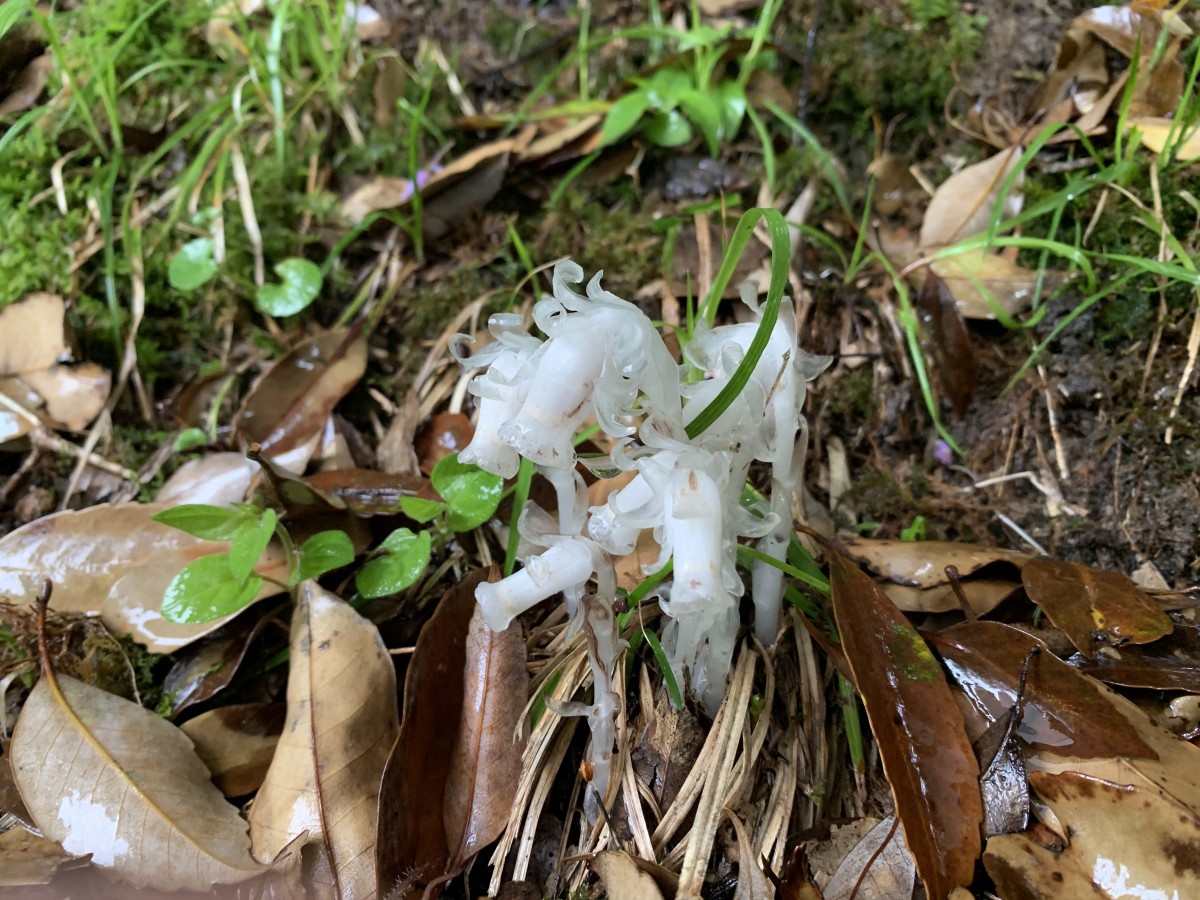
(341, 722)
(287, 408)
(367, 492)
(412, 846)
(947, 334)
(1124, 840)
(1171, 663)
(485, 765)
(1064, 712)
(205, 669)
(237, 743)
(1091, 604)
(102, 775)
(443, 434)
(115, 561)
(918, 727)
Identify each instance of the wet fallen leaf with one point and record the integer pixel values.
(1171, 663)
(622, 878)
(102, 775)
(288, 407)
(919, 729)
(32, 335)
(217, 479)
(486, 762)
(341, 722)
(412, 847)
(964, 204)
(796, 883)
(443, 434)
(367, 492)
(204, 669)
(982, 595)
(27, 858)
(1064, 712)
(237, 743)
(1092, 605)
(116, 562)
(879, 867)
(951, 347)
(1125, 840)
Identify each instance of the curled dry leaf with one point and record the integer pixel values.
(341, 723)
(1126, 840)
(237, 743)
(485, 765)
(115, 561)
(412, 845)
(922, 739)
(286, 410)
(922, 564)
(102, 775)
(1091, 605)
(32, 334)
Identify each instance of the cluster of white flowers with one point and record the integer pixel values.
(604, 359)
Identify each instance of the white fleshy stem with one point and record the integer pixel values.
(603, 647)
(563, 567)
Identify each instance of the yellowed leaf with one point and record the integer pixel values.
(1154, 132)
(114, 561)
(342, 719)
(102, 775)
(976, 276)
(963, 205)
(32, 336)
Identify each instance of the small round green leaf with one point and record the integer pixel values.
(405, 558)
(668, 129)
(471, 493)
(324, 552)
(192, 265)
(301, 284)
(189, 438)
(205, 590)
(421, 510)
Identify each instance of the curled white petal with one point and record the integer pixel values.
(560, 568)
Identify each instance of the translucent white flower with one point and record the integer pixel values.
(562, 567)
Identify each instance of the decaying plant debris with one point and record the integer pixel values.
(839, 543)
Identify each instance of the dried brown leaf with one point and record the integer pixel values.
(981, 281)
(951, 346)
(29, 85)
(102, 775)
(32, 334)
(963, 205)
(28, 859)
(879, 867)
(1091, 605)
(217, 479)
(622, 878)
(115, 561)
(485, 765)
(341, 721)
(922, 564)
(237, 743)
(205, 669)
(1125, 840)
(919, 729)
(288, 407)
(1171, 663)
(73, 395)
